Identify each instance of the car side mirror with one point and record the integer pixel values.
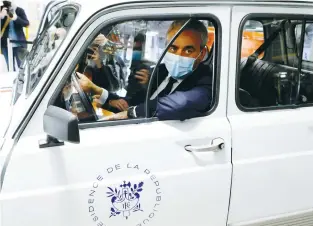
(59, 124)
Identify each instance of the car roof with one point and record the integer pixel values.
(116, 2)
(88, 9)
(97, 5)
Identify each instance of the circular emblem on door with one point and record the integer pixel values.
(124, 194)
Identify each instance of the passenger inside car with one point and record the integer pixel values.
(185, 83)
(106, 69)
(181, 89)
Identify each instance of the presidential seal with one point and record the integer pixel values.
(135, 202)
(125, 199)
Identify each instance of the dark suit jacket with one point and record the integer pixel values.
(192, 98)
(19, 23)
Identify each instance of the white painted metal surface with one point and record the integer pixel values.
(67, 185)
(3, 67)
(199, 182)
(272, 150)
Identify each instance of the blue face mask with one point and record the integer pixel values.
(178, 66)
(136, 55)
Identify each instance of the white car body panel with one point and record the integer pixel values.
(66, 176)
(272, 150)
(261, 177)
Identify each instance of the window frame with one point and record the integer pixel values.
(92, 35)
(303, 60)
(238, 60)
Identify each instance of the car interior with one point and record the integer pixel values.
(274, 80)
(75, 100)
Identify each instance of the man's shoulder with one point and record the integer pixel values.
(201, 76)
(204, 69)
(19, 10)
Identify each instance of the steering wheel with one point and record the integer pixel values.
(91, 114)
(246, 99)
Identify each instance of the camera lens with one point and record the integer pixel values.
(10, 13)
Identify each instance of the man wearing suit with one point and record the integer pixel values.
(14, 31)
(183, 89)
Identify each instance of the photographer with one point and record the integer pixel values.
(13, 20)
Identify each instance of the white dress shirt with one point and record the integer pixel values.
(164, 84)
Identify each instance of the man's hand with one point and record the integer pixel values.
(96, 56)
(60, 33)
(118, 116)
(96, 99)
(85, 83)
(121, 115)
(88, 85)
(143, 76)
(4, 12)
(100, 40)
(120, 104)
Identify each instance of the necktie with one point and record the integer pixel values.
(164, 88)
(168, 87)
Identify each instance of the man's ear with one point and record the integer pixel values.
(203, 53)
(201, 57)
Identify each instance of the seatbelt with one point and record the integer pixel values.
(252, 58)
(6, 23)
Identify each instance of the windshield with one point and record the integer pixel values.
(58, 19)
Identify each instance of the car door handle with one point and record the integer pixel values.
(216, 145)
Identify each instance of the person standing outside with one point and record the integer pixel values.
(13, 20)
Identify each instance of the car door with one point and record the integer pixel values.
(76, 184)
(272, 146)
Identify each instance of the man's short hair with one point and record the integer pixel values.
(140, 37)
(194, 25)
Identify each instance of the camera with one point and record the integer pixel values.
(8, 5)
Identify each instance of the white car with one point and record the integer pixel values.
(248, 160)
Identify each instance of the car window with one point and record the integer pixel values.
(275, 80)
(114, 73)
(55, 30)
(252, 38)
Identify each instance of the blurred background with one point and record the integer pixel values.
(34, 10)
